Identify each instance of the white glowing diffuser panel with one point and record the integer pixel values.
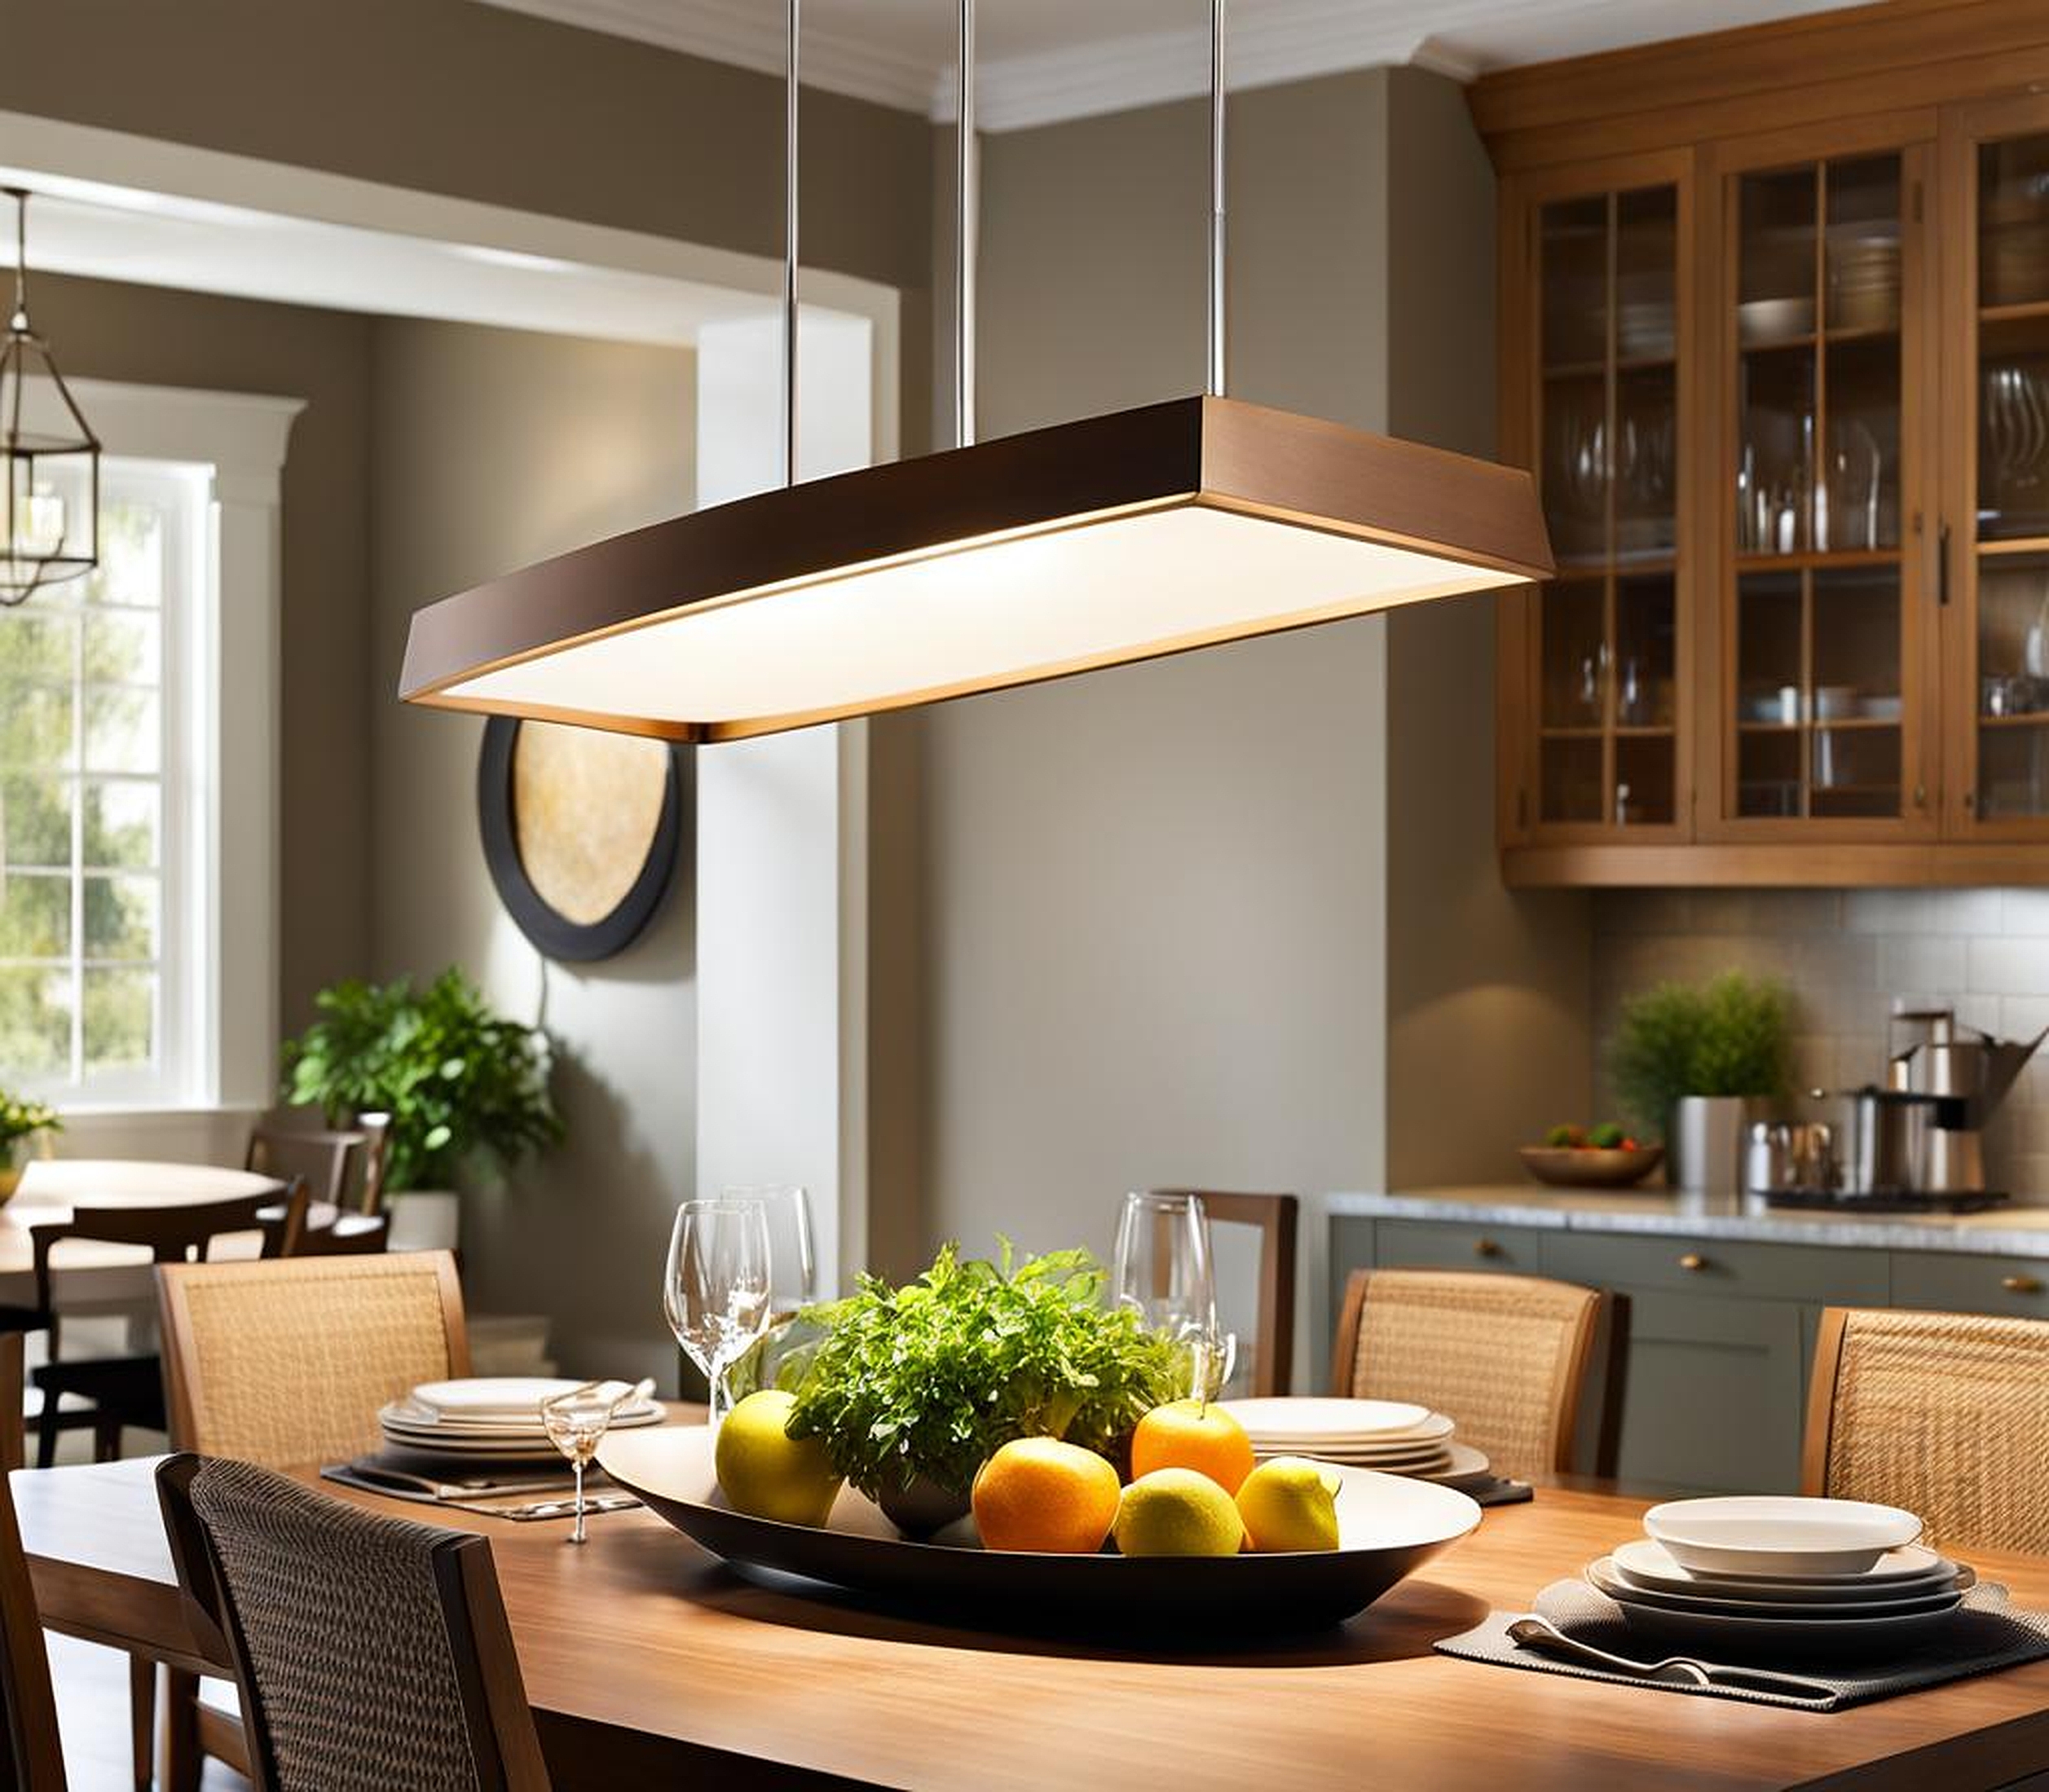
(1096, 544)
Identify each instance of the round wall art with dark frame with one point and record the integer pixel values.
(582, 831)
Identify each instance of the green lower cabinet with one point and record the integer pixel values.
(1712, 1401)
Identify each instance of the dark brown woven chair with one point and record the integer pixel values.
(109, 1393)
(31, 1761)
(372, 1654)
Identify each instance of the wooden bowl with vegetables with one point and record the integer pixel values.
(1603, 1156)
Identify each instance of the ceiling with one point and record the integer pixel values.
(1040, 60)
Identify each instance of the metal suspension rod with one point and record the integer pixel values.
(1217, 320)
(790, 251)
(20, 320)
(966, 232)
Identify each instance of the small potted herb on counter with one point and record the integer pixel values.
(1692, 1063)
(23, 1123)
(910, 1389)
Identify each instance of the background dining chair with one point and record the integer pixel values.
(1506, 1356)
(32, 1760)
(1942, 1413)
(287, 1364)
(321, 1160)
(1266, 1348)
(372, 1654)
(109, 1393)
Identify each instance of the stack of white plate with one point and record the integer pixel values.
(1388, 1435)
(1769, 1575)
(488, 1418)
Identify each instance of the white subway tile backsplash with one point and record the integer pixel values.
(1849, 957)
(2017, 965)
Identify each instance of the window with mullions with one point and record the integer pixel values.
(101, 806)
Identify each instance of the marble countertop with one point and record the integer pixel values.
(2011, 1232)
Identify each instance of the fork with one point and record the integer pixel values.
(1532, 1631)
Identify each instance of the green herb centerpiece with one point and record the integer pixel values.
(22, 1122)
(910, 1389)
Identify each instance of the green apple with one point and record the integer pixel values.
(765, 1471)
(1290, 1504)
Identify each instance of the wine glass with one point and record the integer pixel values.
(793, 1262)
(576, 1423)
(715, 1293)
(1164, 1273)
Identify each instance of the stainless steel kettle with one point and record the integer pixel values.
(1969, 1077)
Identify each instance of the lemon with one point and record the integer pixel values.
(1177, 1512)
(765, 1471)
(1290, 1504)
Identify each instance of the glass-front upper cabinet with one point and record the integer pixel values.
(1825, 644)
(2000, 508)
(1603, 653)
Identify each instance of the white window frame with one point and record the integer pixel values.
(222, 784)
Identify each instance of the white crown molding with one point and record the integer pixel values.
(750, 36)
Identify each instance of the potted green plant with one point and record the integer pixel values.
(24, 1126)
(462, 1085)
(1693, 1062)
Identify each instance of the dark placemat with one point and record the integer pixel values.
(1986, 1636)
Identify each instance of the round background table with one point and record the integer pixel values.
(87, 1274)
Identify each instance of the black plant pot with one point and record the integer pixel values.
(923, 1507)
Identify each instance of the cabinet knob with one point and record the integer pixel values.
(2021, 1285)
(1693, 1262)
(1486, 1247)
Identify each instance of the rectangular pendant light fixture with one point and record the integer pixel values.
(1118, 538)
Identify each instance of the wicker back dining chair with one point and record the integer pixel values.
(372, 1654)
(1942, 1413)
(1506, 1356)
(31, 1760)
(1269, 1350)
(286, 1364)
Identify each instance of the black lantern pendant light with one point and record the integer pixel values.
(50, 507)
(1118, 538)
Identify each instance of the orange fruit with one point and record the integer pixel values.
(1192, 1434)
(1041, 1494)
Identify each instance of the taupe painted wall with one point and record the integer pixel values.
(155, 338)
(449, 96)
(1153, 897)
(1488, 1034)
(493, 448)
(1235, 917)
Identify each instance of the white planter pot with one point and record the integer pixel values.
(425, 1219)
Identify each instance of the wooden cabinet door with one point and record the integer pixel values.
(1825, 710)
(1994, 532)
(1596, 667)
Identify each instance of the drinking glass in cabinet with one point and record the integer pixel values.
(2013, 222)
(1575, 654)
(2013, 686)
(2013, 429)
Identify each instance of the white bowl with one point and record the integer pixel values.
(1779, 1536)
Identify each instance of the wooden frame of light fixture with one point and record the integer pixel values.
(1294, 472)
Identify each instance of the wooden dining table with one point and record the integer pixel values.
(649, 1661)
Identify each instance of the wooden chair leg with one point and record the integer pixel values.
(106, 1440)
(183, 1758)
(142, 1713)
(46, 1433)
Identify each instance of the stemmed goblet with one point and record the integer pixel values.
(716, 1291)
(1163, 1271)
